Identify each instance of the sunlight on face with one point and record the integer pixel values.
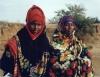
(34, 27)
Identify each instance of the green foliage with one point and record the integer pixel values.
(84, 24)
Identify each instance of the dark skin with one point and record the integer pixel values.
(68, 28)
(34, 27)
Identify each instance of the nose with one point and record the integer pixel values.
(33, 26)
(70, 25)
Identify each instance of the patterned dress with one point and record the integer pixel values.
(24, 57)
(71, 58)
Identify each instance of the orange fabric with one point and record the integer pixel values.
(12, 45)
(35, 14)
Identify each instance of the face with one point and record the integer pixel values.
(69, 28)
(34, 27)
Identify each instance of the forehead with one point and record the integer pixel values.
(69, 23)
(34, 22)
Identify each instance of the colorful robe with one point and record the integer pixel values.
(72, 58)
(24, 57)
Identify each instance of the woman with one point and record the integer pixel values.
(72, 58)
(26, 54)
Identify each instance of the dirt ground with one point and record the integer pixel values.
(96, 57)
(95, 54)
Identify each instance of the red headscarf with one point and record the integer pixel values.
(35, 14)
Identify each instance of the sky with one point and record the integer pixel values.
(16, 10)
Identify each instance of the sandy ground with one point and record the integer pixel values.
(96, 56)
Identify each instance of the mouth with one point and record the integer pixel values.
(35, 31)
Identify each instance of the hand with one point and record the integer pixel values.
(8, 75)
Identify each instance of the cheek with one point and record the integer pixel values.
(66, 28)
(73, 27)
(38, 28)
(31, 27)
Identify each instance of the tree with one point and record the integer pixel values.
(84, 24)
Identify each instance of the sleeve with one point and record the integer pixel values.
(54, 55)
(7, 61)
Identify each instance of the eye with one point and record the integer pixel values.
(69, 24)
(33, 26)
(38, 26)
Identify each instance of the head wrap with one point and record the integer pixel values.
(65, 19)
(63, 22)
(35, 13)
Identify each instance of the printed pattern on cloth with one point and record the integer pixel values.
(25, 65)
(72, 59)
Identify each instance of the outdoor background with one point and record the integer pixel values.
(7, 30)
(13, 16)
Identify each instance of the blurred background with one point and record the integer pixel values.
(86, 13)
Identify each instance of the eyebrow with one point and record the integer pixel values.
(69, 22)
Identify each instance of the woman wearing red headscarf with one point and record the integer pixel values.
(26, 54)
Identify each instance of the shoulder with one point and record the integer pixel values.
(12, 45)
